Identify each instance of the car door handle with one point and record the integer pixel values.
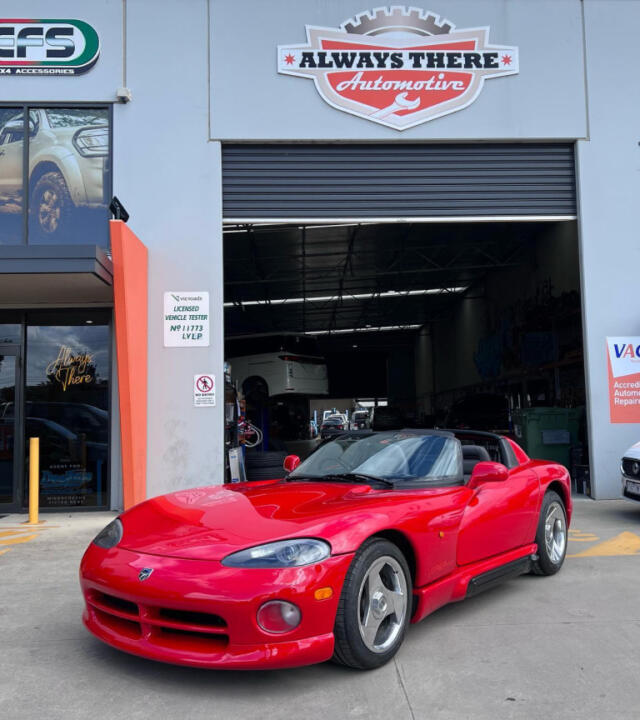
(1, 152)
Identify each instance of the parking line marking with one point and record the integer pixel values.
(19, 539)
(579, 536)
(626, 543)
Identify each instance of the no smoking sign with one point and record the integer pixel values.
(204, 390)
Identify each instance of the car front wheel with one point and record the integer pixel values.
(51, 205)
(374, 608)
(551, 536)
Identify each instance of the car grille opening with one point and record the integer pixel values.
(189, 617)
(111, 602)
(628, 467)
(173, 628)
(127, 628)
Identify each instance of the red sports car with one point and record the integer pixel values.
(371, 532)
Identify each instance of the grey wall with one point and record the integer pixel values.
(168, 175)
(251, 101)
(609, 197)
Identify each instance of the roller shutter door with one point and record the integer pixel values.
(413, 181)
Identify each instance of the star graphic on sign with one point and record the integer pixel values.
(289, 59)
(506, 60)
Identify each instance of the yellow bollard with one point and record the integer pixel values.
(34, 481)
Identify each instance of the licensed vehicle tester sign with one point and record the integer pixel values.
(186, 319)
(623, 360)
(47, 47)
(398, 66)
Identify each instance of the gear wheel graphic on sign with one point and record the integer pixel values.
(396, 18)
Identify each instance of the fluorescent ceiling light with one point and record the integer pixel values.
(348, 297)
(345, 331)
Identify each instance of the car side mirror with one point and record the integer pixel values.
(485, 472)
(291, 462)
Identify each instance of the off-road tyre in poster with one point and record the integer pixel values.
(50, 207)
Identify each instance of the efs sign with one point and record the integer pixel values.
(398, 66)
(47, 47)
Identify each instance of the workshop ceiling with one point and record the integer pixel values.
(322, 278)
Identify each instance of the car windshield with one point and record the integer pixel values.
(333, 421)
(434, 458)
(71, 117)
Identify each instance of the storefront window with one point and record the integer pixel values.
(9, 333)
(66, 406)
(69, 183)
(11, 184)
(7, 426)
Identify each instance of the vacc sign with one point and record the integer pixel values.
(398, 66)
(47, 47)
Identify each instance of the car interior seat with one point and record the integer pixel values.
(471, 456)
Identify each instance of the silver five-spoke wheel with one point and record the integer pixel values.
(551, 535)
(382, 604)
(555, 532)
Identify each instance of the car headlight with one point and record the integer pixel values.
(281, 554)
(110, 536)
(92, 142)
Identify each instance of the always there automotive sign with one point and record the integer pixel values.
(47, 47)
(398, 66)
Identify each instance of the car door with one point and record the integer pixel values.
(11, 157)
(499, 516)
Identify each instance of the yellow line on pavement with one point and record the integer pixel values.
(626, 543)
(19, 539)
(2, 552)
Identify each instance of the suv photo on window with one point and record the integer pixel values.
(68, 178)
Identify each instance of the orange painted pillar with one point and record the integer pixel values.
(130, 280)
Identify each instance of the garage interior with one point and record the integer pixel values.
(473, 322)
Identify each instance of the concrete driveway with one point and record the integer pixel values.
(561, 647)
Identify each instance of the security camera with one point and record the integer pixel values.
(123, 94)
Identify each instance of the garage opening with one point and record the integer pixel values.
(473, 320)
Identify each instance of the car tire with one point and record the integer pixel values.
(375, 606)
(51, 206)
(551, 536)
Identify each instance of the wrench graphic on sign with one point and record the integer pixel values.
(400, 103)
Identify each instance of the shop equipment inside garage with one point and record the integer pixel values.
(441, 282)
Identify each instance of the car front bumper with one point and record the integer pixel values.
(200, 613)
(631, 487)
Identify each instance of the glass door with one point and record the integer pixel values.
(10, 435)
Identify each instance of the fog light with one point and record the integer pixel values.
(278, 616)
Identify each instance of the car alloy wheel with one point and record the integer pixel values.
(382, 604)
(375, 606)
(551, 536)
(49, 210)
(555, 532)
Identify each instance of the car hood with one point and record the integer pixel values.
(633, 452)
(210, 523)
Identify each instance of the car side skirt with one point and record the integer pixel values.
(471, 579)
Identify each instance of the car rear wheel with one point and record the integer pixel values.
(50, 205)
(551, 536)
(374, 608)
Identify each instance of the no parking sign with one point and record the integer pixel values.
(204, 390)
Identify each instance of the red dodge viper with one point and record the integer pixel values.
(371, 532)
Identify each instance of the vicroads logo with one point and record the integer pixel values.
(398, 66)
(624, 355)
(47, 47)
